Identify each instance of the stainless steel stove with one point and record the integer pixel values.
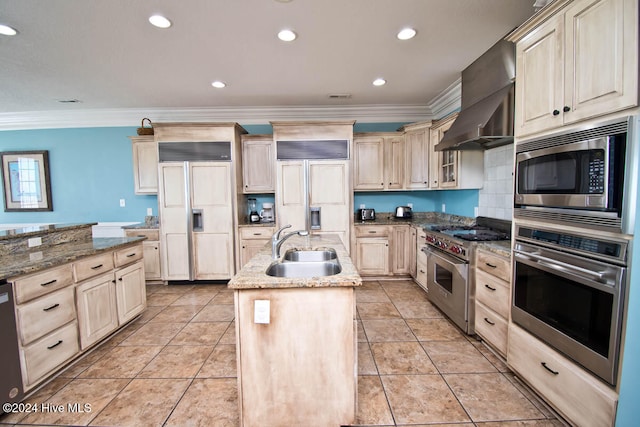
(450, 248)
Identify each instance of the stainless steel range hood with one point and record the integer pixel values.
(486, 115)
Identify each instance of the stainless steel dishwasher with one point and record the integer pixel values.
(11, 377)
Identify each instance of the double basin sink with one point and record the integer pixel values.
(306, 263)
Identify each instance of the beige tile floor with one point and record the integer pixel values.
(176, 366)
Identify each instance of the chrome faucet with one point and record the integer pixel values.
(276, 241)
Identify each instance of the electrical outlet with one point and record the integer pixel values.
(475, 211)
(34, 241)
(149, 211)
(444, 208)
(122, 203)
(410, 205)
(261, 311)
(362, 206)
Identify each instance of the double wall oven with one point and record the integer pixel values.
(574, 218)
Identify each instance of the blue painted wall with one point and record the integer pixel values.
(458, 202)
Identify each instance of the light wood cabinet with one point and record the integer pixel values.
(34, 285)
(413, 254)
(258, 164)
(131, 292)
(43, 315)
(372, 250)
(421, 259)
(493, 298)
(453, 169)
(97, 311)
(578, 60)
(378, 161)
(577, 395)
(150, 251)
(252, 240)
(145, 164)
(417, 151)
(401, 248)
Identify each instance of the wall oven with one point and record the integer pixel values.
(569, 291)
(578, 176)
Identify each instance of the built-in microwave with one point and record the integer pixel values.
(578, 177)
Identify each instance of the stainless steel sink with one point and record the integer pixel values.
(314, 255)
(304, 268)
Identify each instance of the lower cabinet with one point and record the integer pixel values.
(252, 240)
(151, 251)
(131, 293)
(384, 250)
(97, 311)
(577, 395)
(421, 259)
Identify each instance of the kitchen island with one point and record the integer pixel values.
(296, 341)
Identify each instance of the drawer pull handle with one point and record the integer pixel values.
(50, 282)
(141, 235)
(548, 368)
(130, 255)
(491, 265)
(372, 231)
(120, 279)
(96, 267)
(51, 308)
(422, 271)
(490, 288)
(489, 321)
(257, 234)
(51, 347)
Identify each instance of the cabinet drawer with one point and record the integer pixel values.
(93, 266)
(421, 274)
(43, 315)
(128, 255)
(149, 234)
(249, 233)
(29, 287)
(493, 292)
(571, 390)
(494, 264)
(371, 231)
(48, 353)
(492, 327)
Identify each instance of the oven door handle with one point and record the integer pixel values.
(563, 267)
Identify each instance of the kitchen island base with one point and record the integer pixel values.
(301, 367)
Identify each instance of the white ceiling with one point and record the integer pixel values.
(105, 54)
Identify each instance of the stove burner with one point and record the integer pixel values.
(482, 236)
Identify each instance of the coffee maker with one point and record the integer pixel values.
(253, 212)
(267, 212)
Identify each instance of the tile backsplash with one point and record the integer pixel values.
(495, 199)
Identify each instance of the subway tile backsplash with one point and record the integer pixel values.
(495, 199)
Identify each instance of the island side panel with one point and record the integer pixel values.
(302, 366)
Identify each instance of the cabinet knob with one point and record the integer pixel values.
(556, 112)
(566, 109)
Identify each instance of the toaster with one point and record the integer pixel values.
(366, 214)
(403, 212)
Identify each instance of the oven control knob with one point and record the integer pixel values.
(456, 249)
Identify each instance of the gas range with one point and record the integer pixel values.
(458, 239)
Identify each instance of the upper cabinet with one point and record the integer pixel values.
(417, 155)
(453, 169)
(576, 60)
(258, 159)
(378, 161)
(145, 164)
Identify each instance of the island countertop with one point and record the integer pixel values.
(253, 276)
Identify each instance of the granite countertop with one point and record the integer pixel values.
(245, 223)
(40, 230)
(418, 219)
(140, 226)
(253, 276)
(502, 247)
(28, 262)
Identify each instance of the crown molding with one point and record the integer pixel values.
(448, 101)
(243, 115)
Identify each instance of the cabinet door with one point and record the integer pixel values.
(145, 164)
(131, 294)
(539, 86)
(413, 237)
(258, 164)
(212, 242)
(151, 251)
(97, 312)
(417, 159)
(448, 169)
(248, 248)
(290, 197)
(601, 70)
(368, 163)
(394, 162)
(329, 190)
(372, 256)
(401, 249)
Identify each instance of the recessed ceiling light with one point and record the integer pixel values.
(6, 30)
(379, 82)
(406, 34)
(287, 35)
(218, 84)
(159, 21)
